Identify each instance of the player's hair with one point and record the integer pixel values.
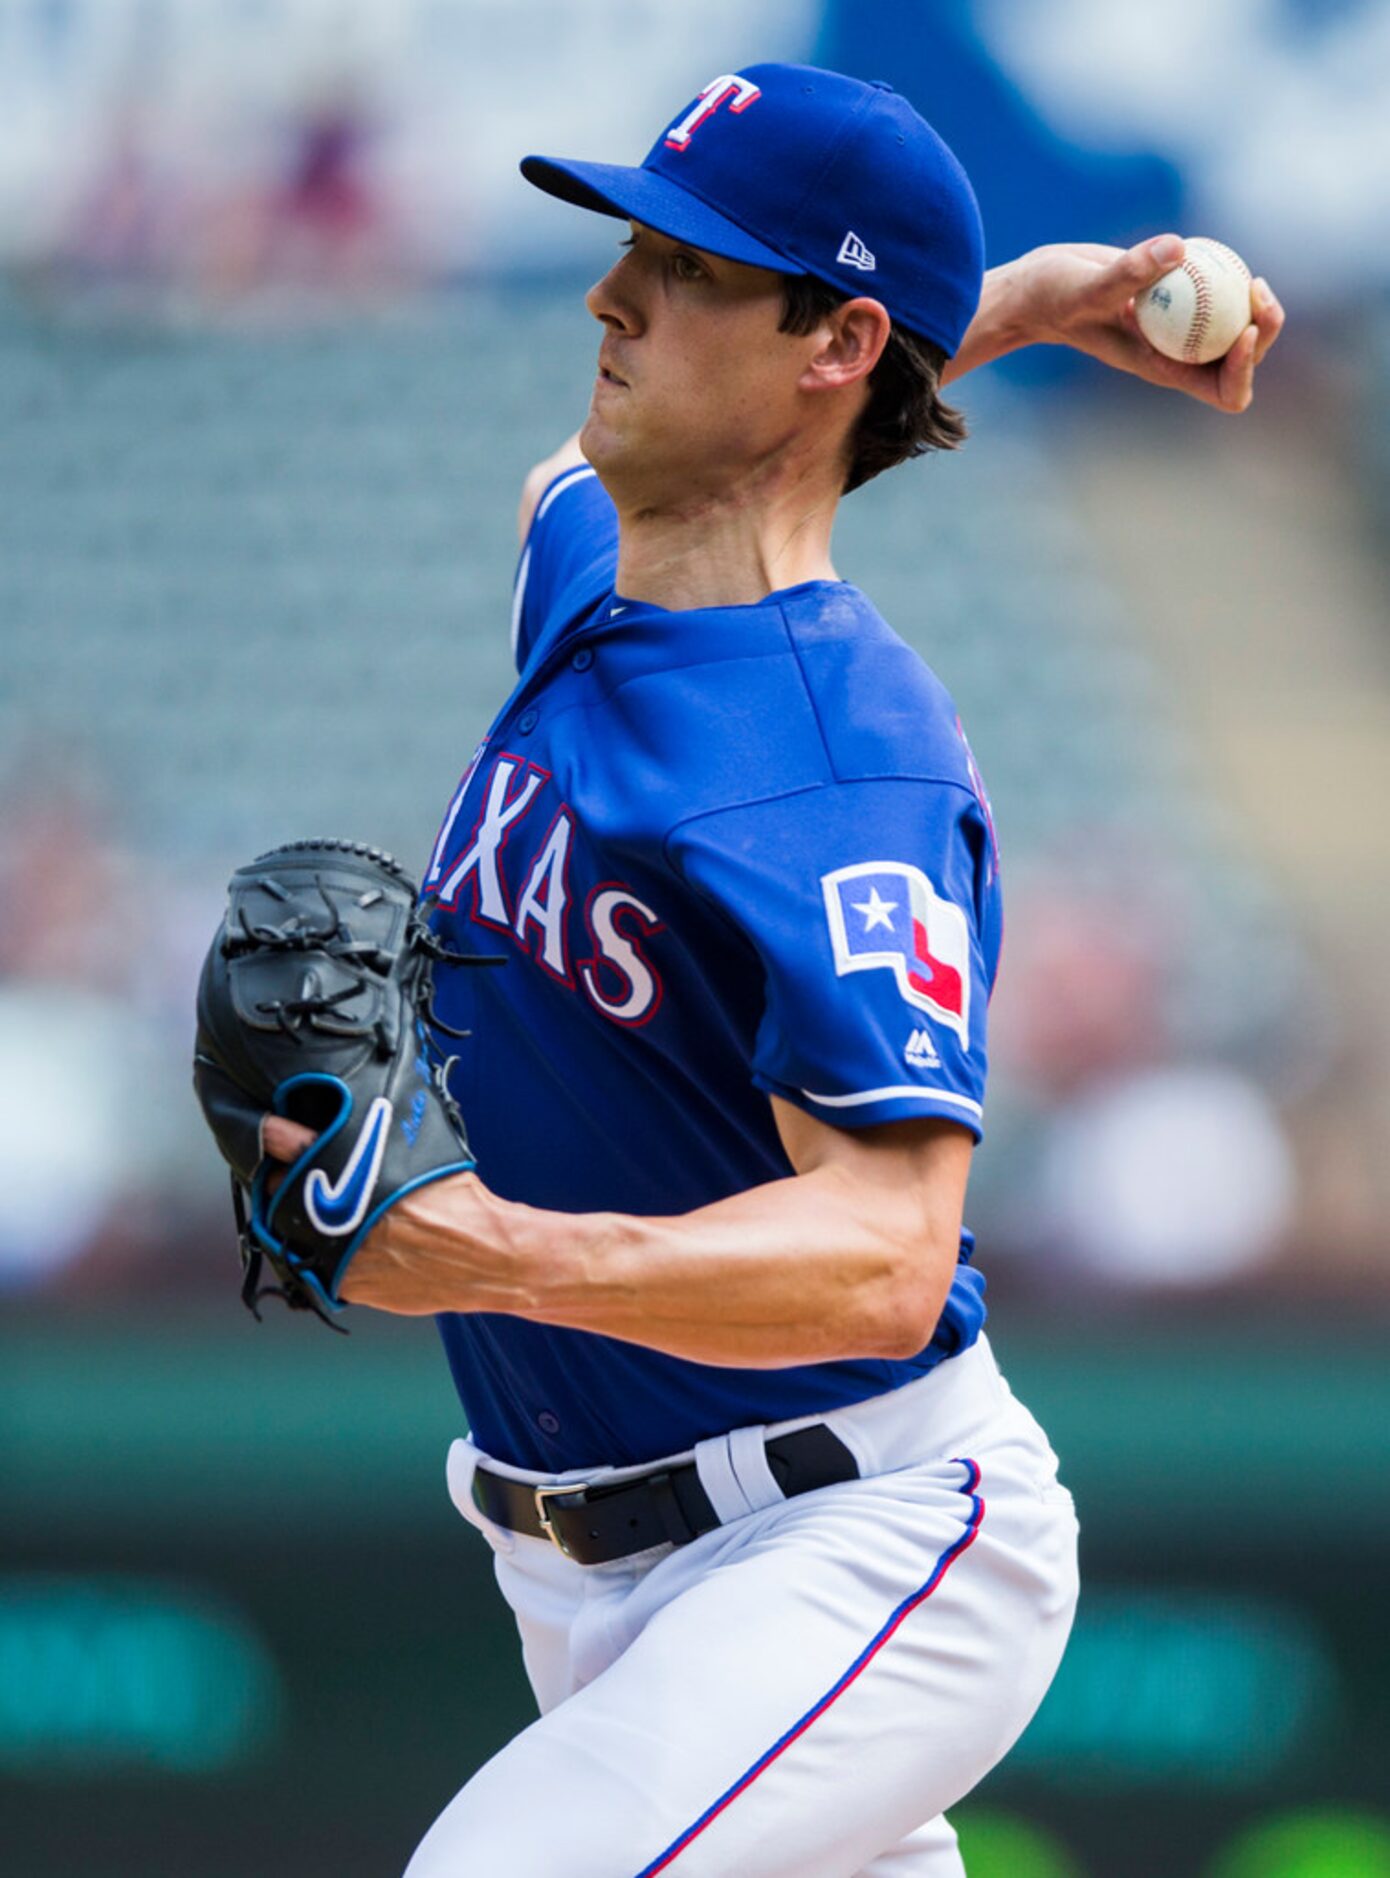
(906, 415)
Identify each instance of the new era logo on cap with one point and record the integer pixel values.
(853, 253)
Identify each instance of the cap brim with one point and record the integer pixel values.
(641, 195)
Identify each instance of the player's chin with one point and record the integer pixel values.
(603, 441)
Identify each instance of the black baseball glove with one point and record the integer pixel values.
(315, 1003)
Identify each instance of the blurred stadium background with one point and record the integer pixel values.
(280, 332)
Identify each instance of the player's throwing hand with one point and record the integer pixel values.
(1081, 294)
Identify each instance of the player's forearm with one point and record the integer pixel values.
(800, 1270)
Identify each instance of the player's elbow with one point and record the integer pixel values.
(914, 1299)
(908, 1332)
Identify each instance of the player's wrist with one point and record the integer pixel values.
(1040, 298)
(1006, 318)
(1018, 304)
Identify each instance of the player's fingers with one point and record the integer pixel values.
(284, 1140)
(1226, 385)
(1236, 380)
(1146, 361)
(1138, 267)
(1268, 315)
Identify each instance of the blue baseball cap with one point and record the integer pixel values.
(807, 172)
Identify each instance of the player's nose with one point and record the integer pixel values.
(612, 302)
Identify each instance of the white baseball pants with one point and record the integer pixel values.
(801, 1693)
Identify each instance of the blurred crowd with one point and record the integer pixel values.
(315, 224)
(101, 1166)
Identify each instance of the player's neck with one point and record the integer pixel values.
(723, 549)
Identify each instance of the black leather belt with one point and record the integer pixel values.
(611, 1520)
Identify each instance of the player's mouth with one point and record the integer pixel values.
(609, 377)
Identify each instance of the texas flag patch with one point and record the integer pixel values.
(887, 914)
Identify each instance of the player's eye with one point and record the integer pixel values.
(686, 267)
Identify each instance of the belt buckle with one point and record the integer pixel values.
(542, 1495)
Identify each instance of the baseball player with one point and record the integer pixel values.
(792, 1567)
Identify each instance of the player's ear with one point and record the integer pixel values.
(849, 343)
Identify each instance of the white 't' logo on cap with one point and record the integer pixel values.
(728, 85)
(853, 253)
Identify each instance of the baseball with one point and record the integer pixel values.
(1197, 311)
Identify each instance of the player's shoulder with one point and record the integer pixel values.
(880, 709)
(808, 694)
(568, 558)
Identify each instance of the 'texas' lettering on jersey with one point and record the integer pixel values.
(614, 973)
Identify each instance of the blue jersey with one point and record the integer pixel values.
(730, 853)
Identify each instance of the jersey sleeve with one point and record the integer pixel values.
(874, 910)
(569, 560)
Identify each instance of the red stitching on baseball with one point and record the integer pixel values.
(1201, 313)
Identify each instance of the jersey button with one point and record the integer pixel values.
(527, 722)
(582, 659)
(548, 1423)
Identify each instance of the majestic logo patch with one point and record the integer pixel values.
(921, 1051)
(885, 913)
(853, 253)
(340, 1207)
